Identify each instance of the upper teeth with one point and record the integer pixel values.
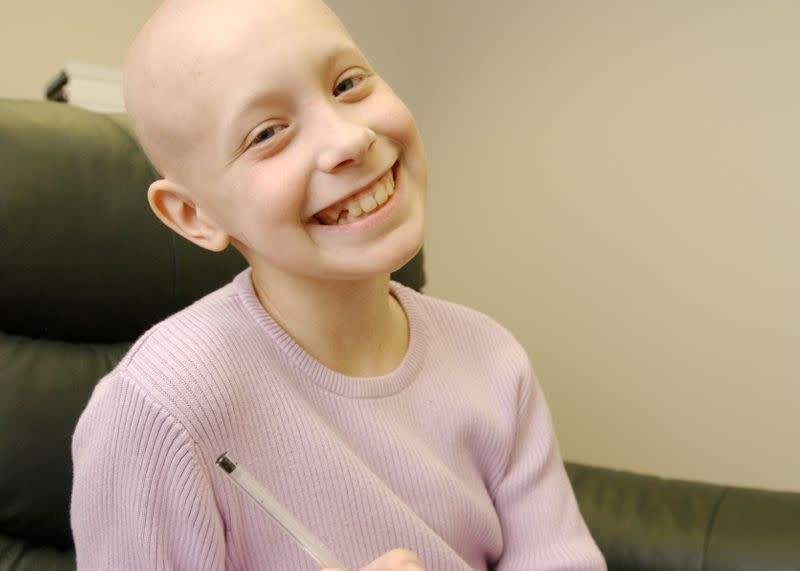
(364, 202)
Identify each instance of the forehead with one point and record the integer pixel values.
(196, 61)
(242, 49)
(225, 35)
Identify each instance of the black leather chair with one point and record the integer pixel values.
(85, 268)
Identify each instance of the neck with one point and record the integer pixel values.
(354, 328)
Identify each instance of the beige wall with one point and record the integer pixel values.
(615, 181)
(36, 38)
(619, 183)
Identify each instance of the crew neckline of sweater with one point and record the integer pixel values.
(328, 379)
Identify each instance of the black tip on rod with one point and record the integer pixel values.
(224, 461)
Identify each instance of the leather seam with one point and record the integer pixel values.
(711, 521)
(135, 142)
(174, 267)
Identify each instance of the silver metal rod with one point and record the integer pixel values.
(296, 530)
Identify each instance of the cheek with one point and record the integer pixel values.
(399, 123)
(410, 140)
(270, 194)
(390, 116)
(394, 120)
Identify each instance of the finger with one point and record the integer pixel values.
(396, 560)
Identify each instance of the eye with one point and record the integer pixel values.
(347, 84)
(266, 134)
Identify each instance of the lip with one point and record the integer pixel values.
(393, 168)
(372, 219)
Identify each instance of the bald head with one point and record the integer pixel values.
(154, 77)
(176, 57)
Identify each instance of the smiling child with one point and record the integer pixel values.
(381, 418)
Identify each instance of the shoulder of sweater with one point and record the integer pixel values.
(199, 329)
(455, 321)
(455, 316)
(183, 359)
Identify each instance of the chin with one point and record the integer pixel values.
(404, 248)
(407, 255)
(381, 264)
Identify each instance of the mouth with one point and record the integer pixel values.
(359, 204)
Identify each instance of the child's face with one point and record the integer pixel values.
(295, 129)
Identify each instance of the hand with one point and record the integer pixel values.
(394, 560)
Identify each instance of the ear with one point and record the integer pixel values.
(175, 207)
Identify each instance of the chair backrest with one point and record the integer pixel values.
(85, 268)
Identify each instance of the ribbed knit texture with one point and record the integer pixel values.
(452, 455)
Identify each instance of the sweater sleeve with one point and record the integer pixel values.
(140, 499)
(542, 526)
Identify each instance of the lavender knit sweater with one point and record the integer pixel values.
(452, 455)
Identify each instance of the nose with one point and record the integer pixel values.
(343, 142)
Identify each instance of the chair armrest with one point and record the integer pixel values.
(646, 522)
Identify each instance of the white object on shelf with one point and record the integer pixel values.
(91, 86)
